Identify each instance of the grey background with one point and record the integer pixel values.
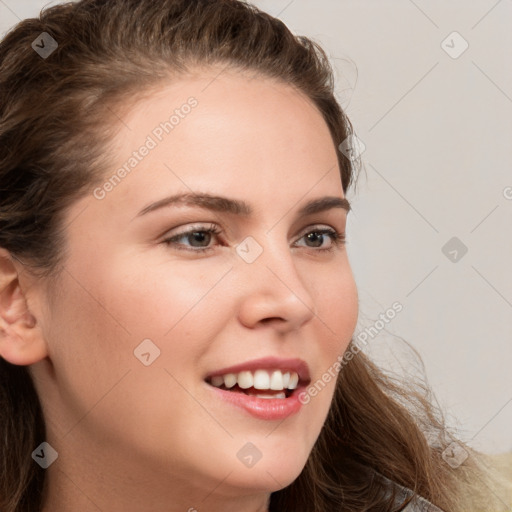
(437, 132)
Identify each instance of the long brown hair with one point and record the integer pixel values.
(108, 53)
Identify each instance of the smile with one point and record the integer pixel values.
(275, 383)
(267, 388)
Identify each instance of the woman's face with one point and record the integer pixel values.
(137, 324)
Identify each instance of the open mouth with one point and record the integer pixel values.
(270, 377)
(252, 391)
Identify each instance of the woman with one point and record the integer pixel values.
(177, 304)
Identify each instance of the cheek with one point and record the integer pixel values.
(86, 344)
(336, 300)
(98, 322)
(343, 308)
(155, 300)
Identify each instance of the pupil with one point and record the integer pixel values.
(315, 235)
(201, 236)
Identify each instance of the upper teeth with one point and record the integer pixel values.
(259, 379)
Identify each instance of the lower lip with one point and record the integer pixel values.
(263, 408)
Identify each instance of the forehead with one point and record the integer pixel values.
(226, 132)
(229, 109)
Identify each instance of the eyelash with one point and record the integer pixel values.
(338, 239)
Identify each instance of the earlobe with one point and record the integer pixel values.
(21, 340)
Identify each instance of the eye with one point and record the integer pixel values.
(199, 238)
(198, 234)
(318, 236)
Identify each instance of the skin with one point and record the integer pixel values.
(132, 437)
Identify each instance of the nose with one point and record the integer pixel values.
(272, 291)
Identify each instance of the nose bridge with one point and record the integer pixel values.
(272, 286)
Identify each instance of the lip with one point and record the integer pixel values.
(263, 408)
(269, 363)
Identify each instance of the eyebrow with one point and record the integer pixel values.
(239, 207)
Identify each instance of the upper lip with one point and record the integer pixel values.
(270, 363)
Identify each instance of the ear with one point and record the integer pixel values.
(21, 340)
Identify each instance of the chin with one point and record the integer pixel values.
(274, 475)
